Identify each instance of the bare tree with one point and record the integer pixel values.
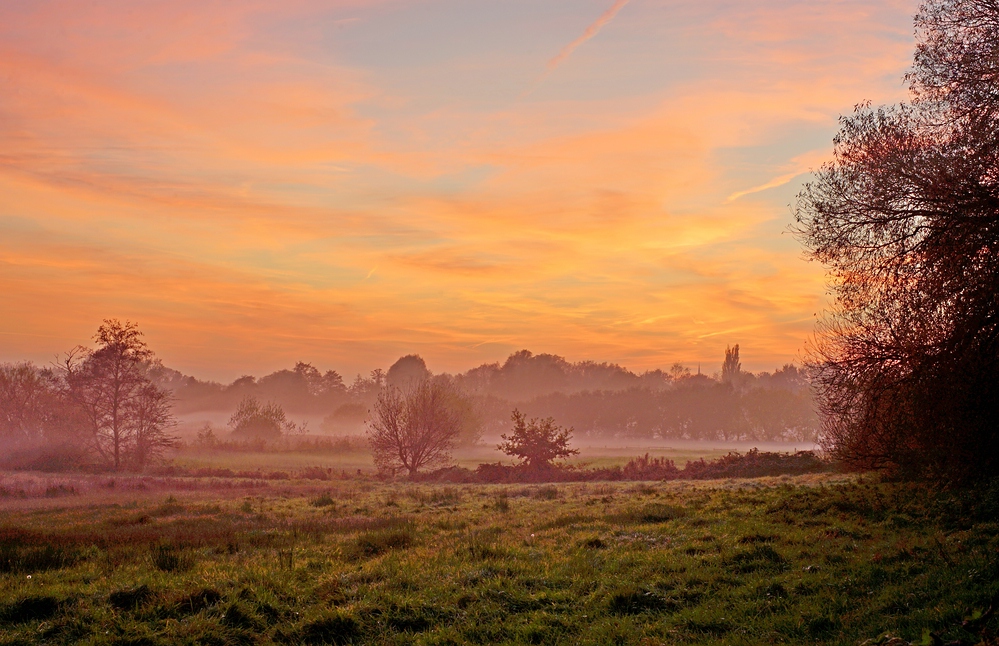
(151, 415)
(416, 429)
(127, 415)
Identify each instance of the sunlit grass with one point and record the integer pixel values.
(821, 559)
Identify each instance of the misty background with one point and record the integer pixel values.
(603, 402)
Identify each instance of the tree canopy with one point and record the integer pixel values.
(906, 220)
(126, 415)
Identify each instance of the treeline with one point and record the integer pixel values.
(98, 407)
(112, 406)
(600, 400)
(694, 409)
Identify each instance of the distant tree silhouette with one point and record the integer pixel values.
(415, 429)
(406, 372)
(537, 443)
(731, 368)
(319, 384)
(367, 390)
(906, 220)
(253, 420)
(26, 398)
(678, 371)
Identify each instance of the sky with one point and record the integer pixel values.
(344, 182)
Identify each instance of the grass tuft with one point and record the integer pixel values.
(130, 598)
(375, 543)
(35, 608)
(336, 629)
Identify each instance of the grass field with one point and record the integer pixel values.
(597, 456)
(814, 559)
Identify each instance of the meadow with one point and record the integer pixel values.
(349, 453)
(831, 559)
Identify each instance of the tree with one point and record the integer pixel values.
(906, 220)
(151, 414)
(40, 427)
(537, 443)
(407, 371)
(731, 367)
(26, 395)
(320, 384)
(416, 429)
(256, 421)
(126, 414)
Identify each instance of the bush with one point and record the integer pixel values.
(649, 468)
(754, 464)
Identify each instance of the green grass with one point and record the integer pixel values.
(817, 559)
(468, 457)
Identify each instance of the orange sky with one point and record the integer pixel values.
(344, 182)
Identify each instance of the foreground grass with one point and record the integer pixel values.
(813, 559)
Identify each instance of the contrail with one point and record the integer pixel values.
(590, 32)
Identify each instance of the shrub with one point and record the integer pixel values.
(754, 464)
(649, 468)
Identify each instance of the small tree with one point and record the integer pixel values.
(253, 420)
(416, 429)
(206, 437)
(537, 443)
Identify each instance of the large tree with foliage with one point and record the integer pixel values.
(127, 416)
(906, 219)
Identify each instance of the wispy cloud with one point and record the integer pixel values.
(799, 166)
(590, 32)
